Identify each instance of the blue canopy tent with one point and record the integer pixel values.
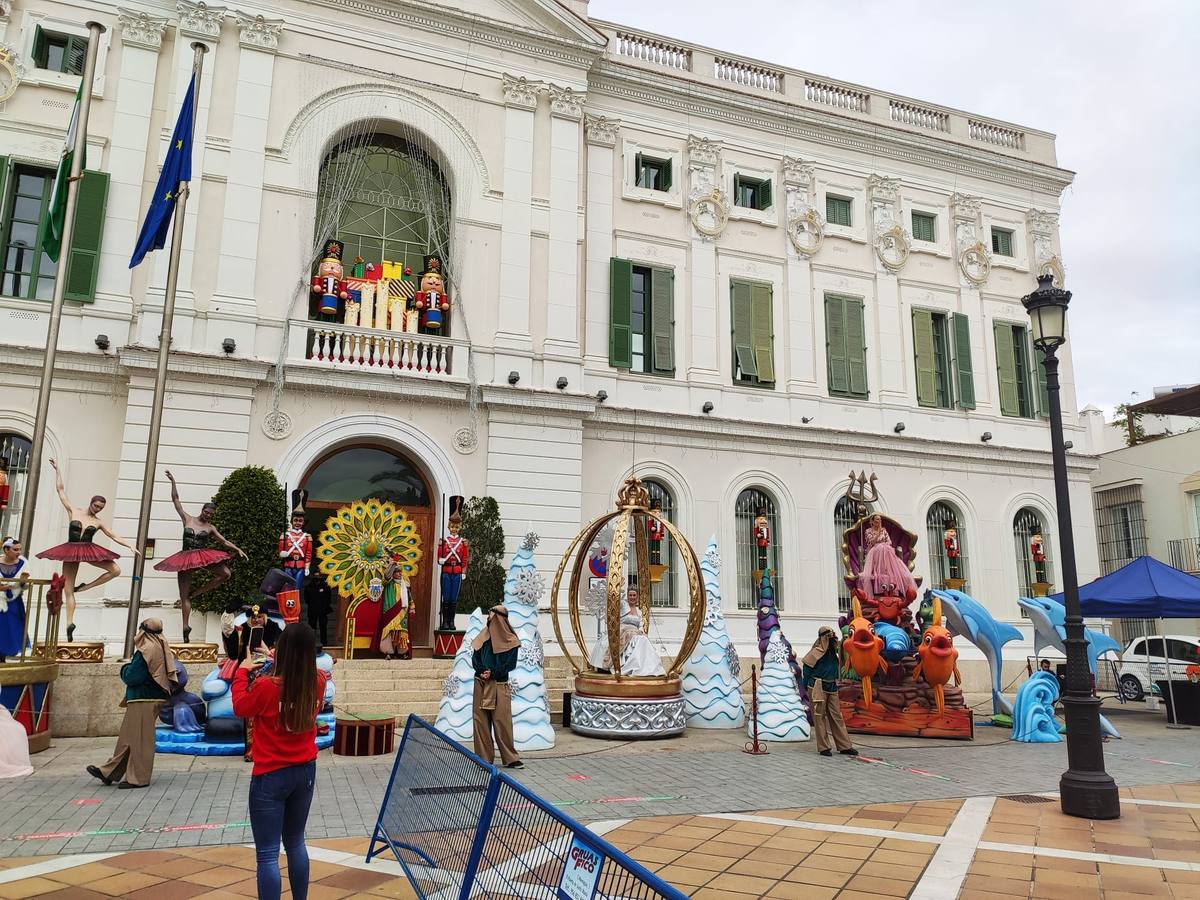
(1143, 589)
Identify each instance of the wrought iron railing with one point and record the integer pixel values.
(1184, 554)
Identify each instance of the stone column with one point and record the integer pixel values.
(805, 231)
(601, 139)
(562, 295)
(197, 22)
(520, 99)
(238, 261)
(708, 210)
(141, 39)
(974, 263)
(891, 244)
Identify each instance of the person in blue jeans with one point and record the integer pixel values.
(284, 705)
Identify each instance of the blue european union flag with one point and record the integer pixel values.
(177, 168)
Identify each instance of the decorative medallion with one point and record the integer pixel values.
(363, 539)
(1053, 266)
(465, 440)
(975, 263)
(277, 424)
(806, 231)
(892, 247)
(709, 212)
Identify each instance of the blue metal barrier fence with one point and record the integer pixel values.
(462, 829)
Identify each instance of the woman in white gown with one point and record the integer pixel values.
(638, 656)
(14, 747)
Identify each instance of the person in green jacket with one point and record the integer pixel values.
(820, 680)
(494, 657)
(148, 678)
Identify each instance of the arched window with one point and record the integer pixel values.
(365, 472)
(942, 517)
(1027, 523)
(663, 593)
(388, 201)
(845, 514)
(15, 449)
(749, 503)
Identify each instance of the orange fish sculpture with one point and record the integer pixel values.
(937, 658)
(862, 649)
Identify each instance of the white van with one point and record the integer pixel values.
(1138, 670)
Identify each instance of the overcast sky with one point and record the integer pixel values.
(1117, 83)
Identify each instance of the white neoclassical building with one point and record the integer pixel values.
(737, 280)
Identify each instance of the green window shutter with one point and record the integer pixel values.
(856, 347)
(925, 357)
(963, 371)
(835, 343)
(923, 227)
(764, 333)
(637, 170)
(764, 195)
(1006, 369)
(83, 260)
(666, 175)
(620, 333)
(743, 327)
(662, 319)
(3, 196)
(1039, 372)
(39, 48)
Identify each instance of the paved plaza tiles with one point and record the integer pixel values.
(926, 819)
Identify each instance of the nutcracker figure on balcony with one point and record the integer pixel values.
(950, 542)
(655, 532)
(432, 300)
(1037, 550)
(762, 538)
(328, 282)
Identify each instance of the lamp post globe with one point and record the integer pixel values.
(1086, 790)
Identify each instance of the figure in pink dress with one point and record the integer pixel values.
(884, 573)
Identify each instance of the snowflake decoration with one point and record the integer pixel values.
(735, 661)
(712, 610)
(528, 585)
(531, 541)
(596, 601)
(776, 651)
(713, 560)
(451, 686)
(532, 654)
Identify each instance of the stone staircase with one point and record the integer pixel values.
(401, 687)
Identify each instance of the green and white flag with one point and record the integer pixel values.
(52, 238)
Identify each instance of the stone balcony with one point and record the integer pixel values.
(805, 90)
(325, 345)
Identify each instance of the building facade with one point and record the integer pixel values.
(736, 280)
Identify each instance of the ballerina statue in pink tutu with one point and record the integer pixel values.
(884, 573)
(199, 533)
(79, 548)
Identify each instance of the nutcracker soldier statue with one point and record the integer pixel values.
(453, 555)
(295, 544)
(1037, 550)
(762, 538)
(950, 542)
(655, 532)
(328, 282)
(431, 300)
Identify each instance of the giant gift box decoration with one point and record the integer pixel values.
(383, 296)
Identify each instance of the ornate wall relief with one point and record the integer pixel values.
(973, 255)
(1042, 225)
(805, 224)
(707, 207)
(891, 239)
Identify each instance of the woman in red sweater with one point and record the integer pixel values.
(284, 705)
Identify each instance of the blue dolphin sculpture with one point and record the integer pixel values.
(967, 617)
(896, 644)
(1049, 630)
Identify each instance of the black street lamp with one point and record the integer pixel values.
(1085, 789)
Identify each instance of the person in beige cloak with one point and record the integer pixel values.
(820, 680)
(494, 657)
(148, 678)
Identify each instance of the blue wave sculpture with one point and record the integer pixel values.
(896, 644)
(1033, 713)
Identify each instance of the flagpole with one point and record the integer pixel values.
(160, 378)
(33, 477)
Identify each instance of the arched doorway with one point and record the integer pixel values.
(14, 459)
(363, 471)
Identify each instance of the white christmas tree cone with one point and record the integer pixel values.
(711, 693)
(523, 589)
(455, 714)
(780, 711)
